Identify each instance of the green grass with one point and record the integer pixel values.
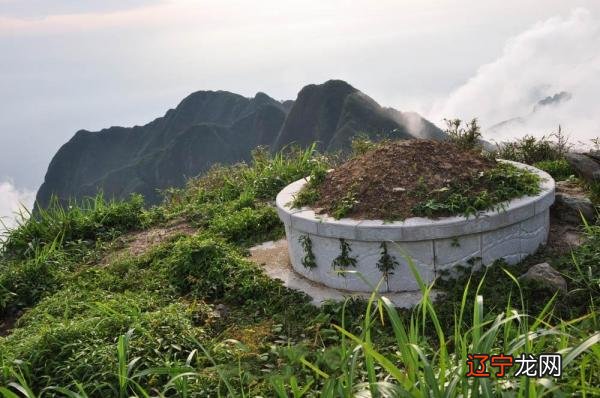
(500, 184)
(531, 150)
(559, 169)
(194, 317)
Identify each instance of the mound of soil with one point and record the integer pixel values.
(387, 182)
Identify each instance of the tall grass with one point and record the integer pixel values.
(430, 369)
(89, 220)
(413, 367)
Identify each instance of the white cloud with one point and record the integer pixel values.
(43, 8)
(12, 200)
(559, 54)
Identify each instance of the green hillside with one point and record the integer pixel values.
(114, 299)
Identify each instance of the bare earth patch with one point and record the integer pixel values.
(563, 236)
(386, 183)
(138, 243)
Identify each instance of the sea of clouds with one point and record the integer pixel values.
(12, 201)
(559, 55)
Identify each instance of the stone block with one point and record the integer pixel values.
(456, 251)
(328, 249)
(501, 243)
(421, 254)
(544, 201)
(366, 275)
(305, 221)
(534, 233)
(417, 228)
(344, 228)
(379, 231)
(520, 209)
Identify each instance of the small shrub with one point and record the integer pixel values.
(362, 144)
(531, 150)
(309, 192)
(503, 183)
(24, 283)
(559, 169)
(269, 174)
(387, 263)
(201, 265)
(345, 206)
(467, 137)
(247, 225)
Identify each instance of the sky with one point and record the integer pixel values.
(67, 65)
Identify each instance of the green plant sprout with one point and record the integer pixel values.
(309, 260)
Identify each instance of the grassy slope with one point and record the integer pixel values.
(193, 316)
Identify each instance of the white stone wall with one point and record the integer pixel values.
(435, 247)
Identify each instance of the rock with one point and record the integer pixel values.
(585, 166)
(594, 155)
(545, 275)
(221, 311)
(571, 203)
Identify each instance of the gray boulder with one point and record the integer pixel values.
(546, 276)
(585, 166)
(571, 203)
(594, 155)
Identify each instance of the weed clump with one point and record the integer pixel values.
(530, 149)
(92, 219)
(467, 137)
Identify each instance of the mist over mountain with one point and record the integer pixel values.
(546, 76)
(540, 106)
(210, 127)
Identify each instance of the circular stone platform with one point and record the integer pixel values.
(274, 259)
(436, 246)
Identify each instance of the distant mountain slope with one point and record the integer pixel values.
(333, 112)
(210, 127)
(207, 127)
(519, 122)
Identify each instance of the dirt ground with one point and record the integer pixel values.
(389, 181)
(139, 242)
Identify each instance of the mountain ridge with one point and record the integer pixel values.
(209, 127)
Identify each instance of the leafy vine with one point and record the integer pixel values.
(309, 260)
(344, 260)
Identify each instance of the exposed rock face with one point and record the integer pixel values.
(571, 204)
(546, 276)
(211, 127)
(585, 165)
